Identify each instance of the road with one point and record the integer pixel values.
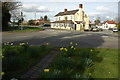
(62, 38)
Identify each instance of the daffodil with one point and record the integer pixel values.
(5, 44)
(2, 56)
(76, 44)
(61, 49)
(89, 73)
(2, 73)
(65, 49)
(22, 44)
(11, 43)
(91, 50)
(71, 43)
(72, 47)
(46, 70)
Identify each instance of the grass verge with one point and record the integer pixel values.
(84, 63)
(17, 60)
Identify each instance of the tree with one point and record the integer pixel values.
(45, 18)
(6, 8)
(30, 22)
(97, 21)
(41, 18)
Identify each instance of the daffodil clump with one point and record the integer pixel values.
(46, 70)
(69, 51)
(2, 73)
(7, 43)
(21, 44)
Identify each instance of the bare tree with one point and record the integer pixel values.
(6, 8)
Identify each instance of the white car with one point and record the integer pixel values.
(115, 30)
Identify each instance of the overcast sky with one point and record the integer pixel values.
(105, 9)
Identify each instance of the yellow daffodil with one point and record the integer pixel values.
(2, 73)
(76, 44)
(2, 56)
(61, 49)
(89, 73)
(46, 70)
(72, 47)
(5, 44)
(71, 43)
(65, 49)
(11, 43)
(91, 50)
(22, 44)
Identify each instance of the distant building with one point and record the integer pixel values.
(73, 20)
(108, 24)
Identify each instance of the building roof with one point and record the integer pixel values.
(109, 22)
(63, 21)
(78, 22)
(66, 13)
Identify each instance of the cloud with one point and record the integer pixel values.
(102, 8)
(34, 8)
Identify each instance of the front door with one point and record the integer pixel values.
(75, 26)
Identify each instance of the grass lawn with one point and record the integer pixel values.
(108, 67)
(17, 60)
(25, 30)
(84, 63)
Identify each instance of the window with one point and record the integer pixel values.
(59, 18)
(56, 19)
(65, 18)
(71, 17)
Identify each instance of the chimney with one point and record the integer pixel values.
(65, 10)
(80, 5)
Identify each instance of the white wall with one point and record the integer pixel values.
(69, 17)
(107, 26)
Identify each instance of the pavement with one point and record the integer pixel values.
(62, 38)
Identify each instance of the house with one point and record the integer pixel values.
(108, 24)
(40, 22)
(72, 20)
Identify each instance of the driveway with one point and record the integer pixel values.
(62, 38)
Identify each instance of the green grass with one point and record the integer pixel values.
(72, 66)
(25, 30)
(119, 32)
(18, 59)
(108, 68)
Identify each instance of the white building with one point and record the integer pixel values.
(108, 24)
(73, 20)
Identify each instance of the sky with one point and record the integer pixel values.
(105, 9)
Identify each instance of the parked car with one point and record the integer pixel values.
(115, 30)
(95, 29)
(46, 25)
(100, 29)
(110, 29)
(91, 29)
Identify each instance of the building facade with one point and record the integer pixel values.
(108, 24)
(72, 20)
